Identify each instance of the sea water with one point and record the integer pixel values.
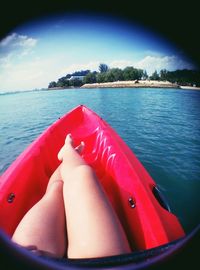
(161, 126)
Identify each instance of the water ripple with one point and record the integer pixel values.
(161, 126)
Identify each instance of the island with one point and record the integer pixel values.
(128, 77)
(132, 84)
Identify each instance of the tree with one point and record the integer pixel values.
(138, 74)
(131, 73)
(76, 82)
(164, 75)
(91, 77)
(81, 73)
(101, 77)
(127, 73)
(184, 77)
(155, 76)
(109, 76)
(117, 74)
(52, 84)
(61, 82)
(145, 75)
(103, 68)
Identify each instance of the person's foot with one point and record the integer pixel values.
(69, 144)
(69, 140)
(80, 147)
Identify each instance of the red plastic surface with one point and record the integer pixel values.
(121, 174)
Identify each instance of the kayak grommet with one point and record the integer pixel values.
(131, 202)
(10, 197)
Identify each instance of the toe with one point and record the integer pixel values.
(80, 147)
(68, 139)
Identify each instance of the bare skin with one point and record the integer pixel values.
(85, 216)
(43, 226)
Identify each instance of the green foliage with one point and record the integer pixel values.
(90, 77)
(183, 77)
(112, 75)
(117, 74)
(131, 73)
(66, 82)
(145, 75)
(63, 82)
(155, 76)
(101, 77)
(80, 73)
(103, 68)
(163, 75)
(109, 76)
(75, 83)
(52, 84)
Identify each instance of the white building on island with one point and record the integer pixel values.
(75, 77)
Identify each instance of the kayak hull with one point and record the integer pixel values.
(126, 182)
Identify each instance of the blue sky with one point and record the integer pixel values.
(41, 51)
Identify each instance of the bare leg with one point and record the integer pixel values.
(93, 228)
(56, 176)
(44, 224)
(92, 225)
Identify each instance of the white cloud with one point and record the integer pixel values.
(121, 64)
(152, 63)
(15, 41)
(5, 62)
(149, 63)
(19, 77)
(93, 66)
(13, 47)
(20, 69)
(15, 70)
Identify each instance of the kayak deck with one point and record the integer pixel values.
(127, 184)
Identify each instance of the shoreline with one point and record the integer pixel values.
(184, 87)
(132, 84)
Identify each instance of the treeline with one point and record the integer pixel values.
(106, 74)
(181, 77)
(67, 82)
(115, 74)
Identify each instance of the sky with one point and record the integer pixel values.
(38, 52)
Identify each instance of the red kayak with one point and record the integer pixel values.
(132, 192)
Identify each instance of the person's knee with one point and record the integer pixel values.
(55, 187)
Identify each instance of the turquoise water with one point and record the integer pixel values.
(161, 126)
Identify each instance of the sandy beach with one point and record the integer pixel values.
(132, 84)
(189, 87)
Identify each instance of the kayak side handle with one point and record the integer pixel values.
(160, 198)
